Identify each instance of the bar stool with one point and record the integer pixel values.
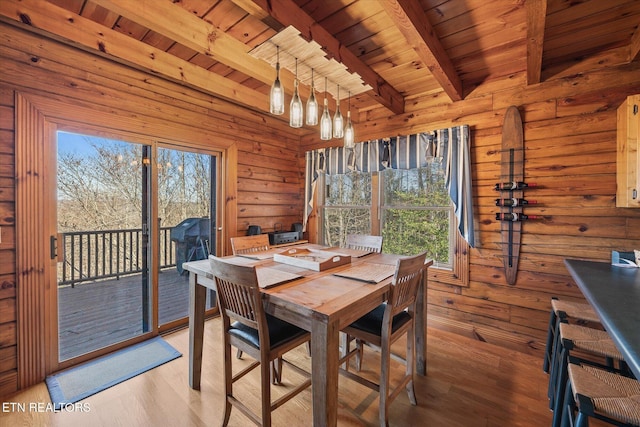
(561, 312)
(600, 394)
(584, 345)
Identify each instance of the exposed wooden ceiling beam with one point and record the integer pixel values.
(179, 24)
(88, 35)
(287, 13)
(536, 19)
(410, 19)
(634, 46)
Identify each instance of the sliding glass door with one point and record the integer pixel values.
(103, 242)
(186, 201)
(128, 216)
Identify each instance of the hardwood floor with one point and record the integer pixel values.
(469, 384)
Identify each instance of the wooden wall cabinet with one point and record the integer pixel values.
(628, 161)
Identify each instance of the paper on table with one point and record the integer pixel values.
(625, 263)
(368, 272)
(268, 277)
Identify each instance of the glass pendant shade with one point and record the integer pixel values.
(312, 106)
(276, 98)
(349, 135)
(295, 108)
(325, 122)
(312, 109)
(338, 122)
(276, 105)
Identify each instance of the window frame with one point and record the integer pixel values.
(456, 274)
(450, 209)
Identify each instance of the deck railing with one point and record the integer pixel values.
(91, 255)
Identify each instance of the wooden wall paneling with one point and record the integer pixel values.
(7, 286)
(8, 382)
(8, 360)
(157, 98)
(8, 317)
(489, 309)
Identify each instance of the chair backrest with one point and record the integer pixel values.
(238, 293)
(364, 242)
(250, 244)
(409, 273)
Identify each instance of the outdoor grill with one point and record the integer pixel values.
(192, 240)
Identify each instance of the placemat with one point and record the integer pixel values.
(268, 277)
(368, 272)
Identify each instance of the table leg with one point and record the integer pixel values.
(197, 301)
(324, 372)
(421, 327)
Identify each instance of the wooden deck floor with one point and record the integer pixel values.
(94, 315)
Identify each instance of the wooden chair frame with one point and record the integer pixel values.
(250, 244)
(364, 242)
(240, 300)
(247, 245)
(402, 296)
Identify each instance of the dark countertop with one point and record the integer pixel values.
(614, 293)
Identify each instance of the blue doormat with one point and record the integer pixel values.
(84, 380)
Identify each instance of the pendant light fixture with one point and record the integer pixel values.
(325, 121)
(295, 108)
(312, 105)
(338, 130)
(349, 135)
(276, 99)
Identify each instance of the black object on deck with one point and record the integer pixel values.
(192, 240)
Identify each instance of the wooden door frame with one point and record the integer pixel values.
(37, 119)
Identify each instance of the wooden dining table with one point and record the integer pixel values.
(317, 301)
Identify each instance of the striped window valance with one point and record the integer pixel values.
(451, 146)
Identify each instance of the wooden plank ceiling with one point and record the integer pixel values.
(403, 49)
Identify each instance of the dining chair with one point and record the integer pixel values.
(384, 325)
(364, 242)
(249, 244)
(258, 334)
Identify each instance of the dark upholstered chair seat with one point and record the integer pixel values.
(280, 332)
(372, 321)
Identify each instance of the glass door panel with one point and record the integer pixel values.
(103, 201)
(186, 218)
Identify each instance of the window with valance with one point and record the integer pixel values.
(448, 146)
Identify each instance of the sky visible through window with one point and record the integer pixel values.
(81, 145)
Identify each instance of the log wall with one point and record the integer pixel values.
(570, 142)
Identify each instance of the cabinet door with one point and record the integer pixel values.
(628, 162)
